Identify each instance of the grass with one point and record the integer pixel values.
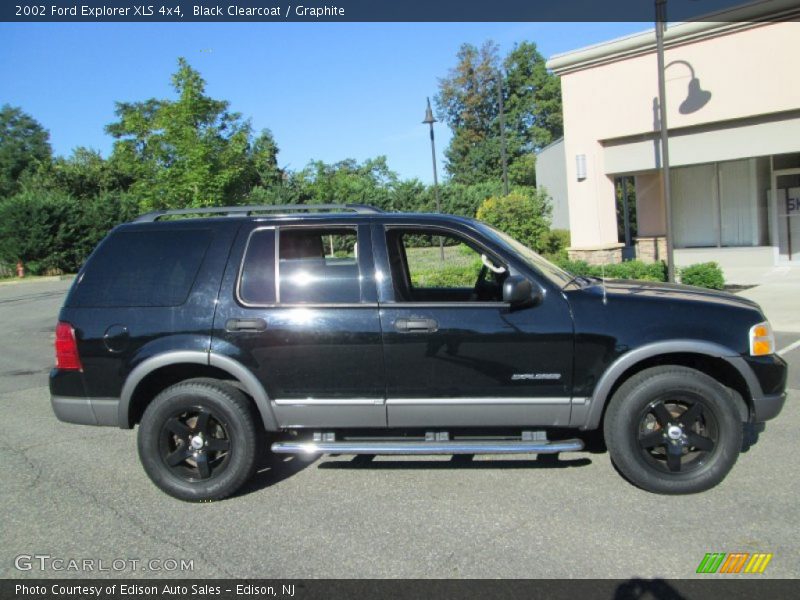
(460, 268)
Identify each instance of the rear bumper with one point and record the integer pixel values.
(767, 407)
(86, 411)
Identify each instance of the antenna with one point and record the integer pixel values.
(603, 284)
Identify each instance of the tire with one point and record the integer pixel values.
(673, 430)
(198, 440)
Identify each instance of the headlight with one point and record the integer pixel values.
(762, 340)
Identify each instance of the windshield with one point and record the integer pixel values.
(555, 274)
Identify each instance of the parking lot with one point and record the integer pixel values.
(79, 492)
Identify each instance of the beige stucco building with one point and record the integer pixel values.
(733, 111)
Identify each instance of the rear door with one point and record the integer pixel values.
(299, 308)
(455, 353)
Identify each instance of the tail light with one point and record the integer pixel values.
(67, 358)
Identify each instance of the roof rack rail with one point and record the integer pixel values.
(243, 211)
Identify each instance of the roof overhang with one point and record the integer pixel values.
(743, 17)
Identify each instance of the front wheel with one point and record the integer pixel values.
(673, 430)
(198, 440)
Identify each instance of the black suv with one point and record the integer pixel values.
(343, 329)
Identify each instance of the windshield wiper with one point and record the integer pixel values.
(576, 279)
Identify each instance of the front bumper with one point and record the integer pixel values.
(767, 386)
(86, 411)
(767, 407)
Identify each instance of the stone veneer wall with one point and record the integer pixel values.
(651, 249)
(597, 256)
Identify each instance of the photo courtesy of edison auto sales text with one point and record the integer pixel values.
(98, 591)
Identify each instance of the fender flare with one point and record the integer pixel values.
(233, 367)
(602, 390)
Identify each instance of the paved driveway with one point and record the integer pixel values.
(78, 492)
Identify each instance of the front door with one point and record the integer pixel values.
(455, 353)
(303, 317)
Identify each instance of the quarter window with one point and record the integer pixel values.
(142, 268)
(257, 284)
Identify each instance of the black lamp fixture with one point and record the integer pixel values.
(429, 120)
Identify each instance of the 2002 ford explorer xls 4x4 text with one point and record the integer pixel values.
(230, 331)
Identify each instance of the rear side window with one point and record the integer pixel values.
(315, 265)
(318, 265)
(143, 268)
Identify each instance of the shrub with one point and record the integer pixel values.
(707, 275)
(38, 228)
(574, 267)
(523, 214)
(631, 269)
(555, 244)
(636, 269)
(53, 232)
(555, 241)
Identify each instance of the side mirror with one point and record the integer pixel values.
(518, 292)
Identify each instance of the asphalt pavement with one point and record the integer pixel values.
(77, 492)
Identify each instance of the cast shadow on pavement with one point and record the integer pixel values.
(459, 461)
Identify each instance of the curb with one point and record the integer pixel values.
(36, 279)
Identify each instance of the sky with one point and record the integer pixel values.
(327, 91)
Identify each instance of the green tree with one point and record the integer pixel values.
(468, 102)
(463, 200)
(523, 214)
(190, 152)
(84, 174)
(532, 100)
(263, 162)
(24, 147)
(347, 182)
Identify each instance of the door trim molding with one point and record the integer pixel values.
(487, 401)
(328, 401)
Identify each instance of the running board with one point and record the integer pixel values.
(428, 447)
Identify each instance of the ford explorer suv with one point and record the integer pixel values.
(225, 333)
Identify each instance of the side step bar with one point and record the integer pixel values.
(428, 447)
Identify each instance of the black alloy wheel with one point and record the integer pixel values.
(677, 434)
(199, 439)
(195, 444)
(674, 430)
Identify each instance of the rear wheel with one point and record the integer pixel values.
(673, 430)
(198, 440)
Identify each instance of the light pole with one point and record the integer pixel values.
(661, 26)
(503, 158)
(430, 121)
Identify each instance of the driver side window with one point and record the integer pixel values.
(437, 266)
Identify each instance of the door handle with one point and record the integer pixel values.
(245, 325)
(416, 325)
